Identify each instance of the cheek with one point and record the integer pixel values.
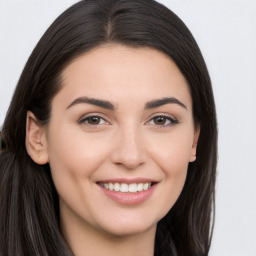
(172, 152)
(74, 151)
(73, 158)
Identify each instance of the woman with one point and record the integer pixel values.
(110, 138)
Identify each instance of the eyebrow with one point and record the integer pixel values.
(108, 105)
(97, 102)
(160, 102)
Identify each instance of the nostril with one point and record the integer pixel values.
(129, 160)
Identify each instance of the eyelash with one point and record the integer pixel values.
(167, 118)
(86, 119)
(171, 119)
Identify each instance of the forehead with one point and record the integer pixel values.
(119, 72)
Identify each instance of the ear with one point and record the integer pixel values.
(36, 143)
(195, 141)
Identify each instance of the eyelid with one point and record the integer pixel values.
(173, 120)
(170, 117)
(87, 116)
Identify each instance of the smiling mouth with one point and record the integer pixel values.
(128, 191)
(127, 188)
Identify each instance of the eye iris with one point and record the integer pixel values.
(93, 120)
(159, 120)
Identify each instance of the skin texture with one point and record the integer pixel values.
(125, 142)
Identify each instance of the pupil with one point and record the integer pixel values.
(160, 120)
(94, 120)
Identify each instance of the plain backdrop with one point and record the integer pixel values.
(226, 33)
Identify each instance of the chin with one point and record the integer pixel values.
(129, 231)
(129, 227)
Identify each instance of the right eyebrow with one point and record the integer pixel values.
(93, 101)
(160, 102)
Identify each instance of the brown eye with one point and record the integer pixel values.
(160, 120)
(93, 120)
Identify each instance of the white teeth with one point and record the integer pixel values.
(116, 187)
(145, 186)
(133, 188)
(110, 186)
(124, 187)
(140, 187)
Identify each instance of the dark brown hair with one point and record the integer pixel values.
(29, 217)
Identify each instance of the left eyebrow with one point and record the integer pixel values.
(160, 102)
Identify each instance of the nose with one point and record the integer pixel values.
(129, 149)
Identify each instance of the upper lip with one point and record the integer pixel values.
(128, 180)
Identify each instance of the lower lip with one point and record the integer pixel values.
(129, 198)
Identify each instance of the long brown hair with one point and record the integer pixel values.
(29, 217)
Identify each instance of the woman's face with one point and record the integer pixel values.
(122, 121)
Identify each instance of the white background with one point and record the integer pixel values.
(226, 33)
